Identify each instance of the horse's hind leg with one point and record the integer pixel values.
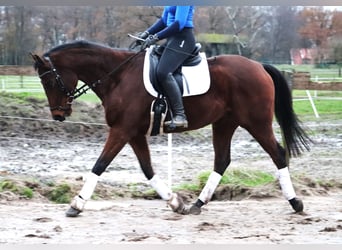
(223, 131)
(265, 136)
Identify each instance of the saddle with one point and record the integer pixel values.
(193, 60)
(192, 78)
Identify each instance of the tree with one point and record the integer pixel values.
(15, 38)
(336, 40)
(281, 34)
(129, 19)
(259, 32)
(317, 29)
(247, 22)
(243, 24)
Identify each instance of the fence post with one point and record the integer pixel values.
(312, 103)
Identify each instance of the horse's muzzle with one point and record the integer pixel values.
(58, 118)
(59, 113)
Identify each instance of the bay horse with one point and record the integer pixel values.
(243, 93)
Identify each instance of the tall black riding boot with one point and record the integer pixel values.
(174, 96)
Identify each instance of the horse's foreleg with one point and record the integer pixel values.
(174, 201)
(206, 193)
(222, 135)
(112, 147)
(141, 150)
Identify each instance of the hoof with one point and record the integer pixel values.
(297, 205)
(195, 210)
(177, 204)
(72, 212)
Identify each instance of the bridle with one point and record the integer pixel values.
(74, 94)
(62, 87)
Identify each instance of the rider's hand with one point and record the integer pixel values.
(140, 39)
(143, 35)
(150, 40)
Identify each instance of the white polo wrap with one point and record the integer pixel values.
(210, 186)
(161, 188)
(286, 183)
(89, 186)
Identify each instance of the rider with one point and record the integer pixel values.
(176, 26)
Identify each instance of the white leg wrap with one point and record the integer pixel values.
(210, 186)
(286, 183)
(78, 203)
(89, 186)
(162, 189)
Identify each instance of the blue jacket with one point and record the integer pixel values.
(173, 20)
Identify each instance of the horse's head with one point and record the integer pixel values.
(59, 85)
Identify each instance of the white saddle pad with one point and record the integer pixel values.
(196, 79)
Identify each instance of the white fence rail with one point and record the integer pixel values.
(20, 84)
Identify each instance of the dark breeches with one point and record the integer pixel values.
(177, 49)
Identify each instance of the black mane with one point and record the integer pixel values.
(76, 44)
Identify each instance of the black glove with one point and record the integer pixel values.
(143, 35)
(140, 39)
(152, 39)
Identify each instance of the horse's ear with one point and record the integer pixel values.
(38, 61)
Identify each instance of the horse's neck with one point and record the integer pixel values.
(98, 72)
(103, 63)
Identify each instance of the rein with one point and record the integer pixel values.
(74, 94)
(84, 88)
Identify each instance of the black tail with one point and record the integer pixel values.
(295, 137)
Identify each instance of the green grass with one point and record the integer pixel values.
(316, 93)
(327, 103)
(232, 177)
(240, 177)
(60, 194)
(325, 107)
(12, 186)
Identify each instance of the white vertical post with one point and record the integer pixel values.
(3, 84)
(312, 103)
(169, 154)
